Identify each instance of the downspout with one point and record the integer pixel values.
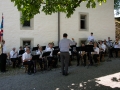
(58, 27)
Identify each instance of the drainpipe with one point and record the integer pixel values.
(58, 27)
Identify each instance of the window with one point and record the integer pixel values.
(84, 21)
(27, 25)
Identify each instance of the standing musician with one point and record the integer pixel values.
(13, 56)
(83, 53)
(91, 38)
(64, 53)
(102, 49)
(110, 47)
(116, 46)
(95, 53)
(27, 60)
(3, 56)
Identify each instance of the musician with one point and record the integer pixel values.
(116, 46)
(50, 58)
(19, 56)
(110, 47)
(26, 47)
(102, 49)
(91, 38)
(83, 54)
(13, 56)
(27, 60)
(89, 54)
(74, 42)
(64, 53)
(38, 46)
(41, 59)
(95, 53)
(3, 56)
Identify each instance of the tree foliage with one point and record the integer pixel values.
(29, 8)
(117, 6)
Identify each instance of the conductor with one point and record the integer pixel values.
(64, 46)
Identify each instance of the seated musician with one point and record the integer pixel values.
(89, 54)
(50, 58)
(41, 59)
(13, 56)
(95, 53)
(110, 47)
(116, 46)
(19, 56)
(102, 49)
(83, 54)
(27, 60)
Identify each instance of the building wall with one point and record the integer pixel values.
(101, 23)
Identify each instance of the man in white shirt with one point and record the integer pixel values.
(13, 56)
(27, 60)
(91, 38)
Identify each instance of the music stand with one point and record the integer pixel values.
(35, 48)
(89, 48)
(55, 52)
(56, 48)
(43, 47)
(46, 54)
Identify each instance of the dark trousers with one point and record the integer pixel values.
(49, 61)
(64, 56)
(110, 51)
(19, 61)
(101, 54)
(90, 58)
(78, 57)
(30, 66)
(3, 58)
(14, 60)
(116, 51)
(40, 61)
(84, 58)
(95, 56)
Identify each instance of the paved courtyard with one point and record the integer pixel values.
(104, 77)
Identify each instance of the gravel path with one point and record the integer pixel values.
(79, 78)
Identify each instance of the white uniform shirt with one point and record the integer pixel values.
(117, 45)
(91, 38)
(13, 54)
(39, 53)
(26, 56)
(103, 46)
(96, 49)
(49, 49)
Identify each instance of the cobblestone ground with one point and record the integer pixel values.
(79, 78)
